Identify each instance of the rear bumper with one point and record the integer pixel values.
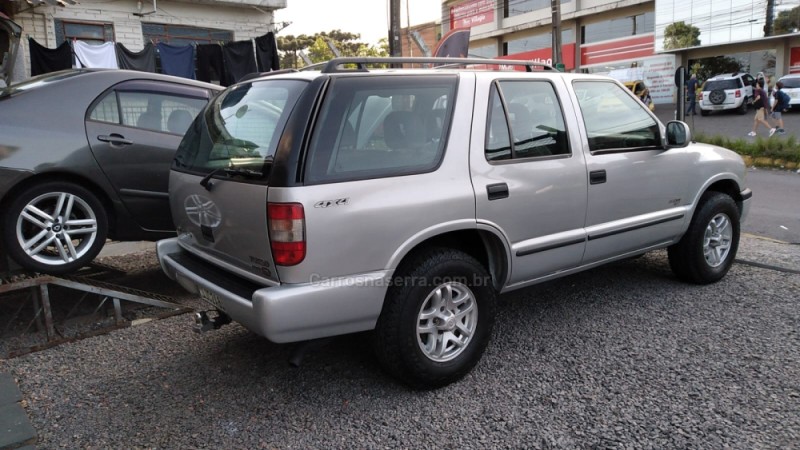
(284, 313)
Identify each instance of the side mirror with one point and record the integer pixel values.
(678, 134)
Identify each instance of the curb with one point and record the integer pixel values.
(16, 430)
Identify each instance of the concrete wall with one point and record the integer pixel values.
(245, 21)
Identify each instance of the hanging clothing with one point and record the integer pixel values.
(211, 65)
(96, 56)
(177, 60)
(143, 61)
(240, 59)
(46, 60)
(267, 53)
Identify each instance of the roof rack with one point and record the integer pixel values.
(333, 66)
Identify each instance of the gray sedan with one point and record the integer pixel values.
(85, 156)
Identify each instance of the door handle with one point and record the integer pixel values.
(497, 191)
(114, 139)
(597, 177)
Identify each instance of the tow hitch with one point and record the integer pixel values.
(203, 323)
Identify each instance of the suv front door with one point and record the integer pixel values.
(637, 189)
(528, 182)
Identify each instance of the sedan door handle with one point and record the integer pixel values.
(597, 177)
(497, 191)
(114, 139)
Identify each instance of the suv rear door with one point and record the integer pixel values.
(218, 183)
(529, 183)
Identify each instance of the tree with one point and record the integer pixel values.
(316, 46)
(787, 21)
(681, 35)
(706, 68)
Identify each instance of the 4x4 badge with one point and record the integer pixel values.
(329, 203)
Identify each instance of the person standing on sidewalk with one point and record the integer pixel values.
(761, 103)
(691, 92)
(781, 105)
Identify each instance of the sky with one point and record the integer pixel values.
(370, 18)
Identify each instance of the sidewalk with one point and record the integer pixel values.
(16, 431)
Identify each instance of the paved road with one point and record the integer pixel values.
(623, 356)
(729, 124)
(775, 211)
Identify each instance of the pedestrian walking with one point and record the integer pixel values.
(761, 103)
(782, 100)
(691, 89)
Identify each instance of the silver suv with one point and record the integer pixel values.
(727, 92)
(403, 201)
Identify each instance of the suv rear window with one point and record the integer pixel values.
(380, 126)
(240, 128)
(733, 83)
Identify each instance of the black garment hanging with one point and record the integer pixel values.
(210, 64)
(144, 61)
(240, 59)
(267, 53)
(46, 60)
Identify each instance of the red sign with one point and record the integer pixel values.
(794, 60)
(471, 13)
(635, 47)
(545, 56)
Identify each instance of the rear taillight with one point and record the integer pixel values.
(287, 223)
(738, 93)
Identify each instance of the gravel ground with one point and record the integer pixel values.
(623, 356)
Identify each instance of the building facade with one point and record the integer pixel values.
(133, 23)
(625, 38)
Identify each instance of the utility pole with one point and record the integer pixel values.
(395, 45)
(768, 25)
(556, 33)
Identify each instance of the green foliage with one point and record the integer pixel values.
(706, 68)
(681, 35)
(787, 21)
(787, 149)
(318, 50)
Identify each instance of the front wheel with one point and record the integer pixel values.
(436, 320)
(707, 250)
(54, 228)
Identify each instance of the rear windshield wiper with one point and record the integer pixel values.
(236, 171)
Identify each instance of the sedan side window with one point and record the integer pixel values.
(614, 120)
(159, 112)
(107, 110)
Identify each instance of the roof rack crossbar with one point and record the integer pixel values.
(361, 63)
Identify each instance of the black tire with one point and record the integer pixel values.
(743, 109)
(87, 238)
(687, 258)
(703, 112)
(398, 342)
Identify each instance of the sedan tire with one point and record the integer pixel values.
(54, 228)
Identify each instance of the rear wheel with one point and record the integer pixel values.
(436, 320)
(707, 250)
(703, 112)
(743, 109)
(54, 228)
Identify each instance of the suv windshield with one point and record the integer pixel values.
(791, 82)
(239, 130)
(713, 85)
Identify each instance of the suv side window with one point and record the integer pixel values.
(614, 120)
(372, 127)
(525, 121)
